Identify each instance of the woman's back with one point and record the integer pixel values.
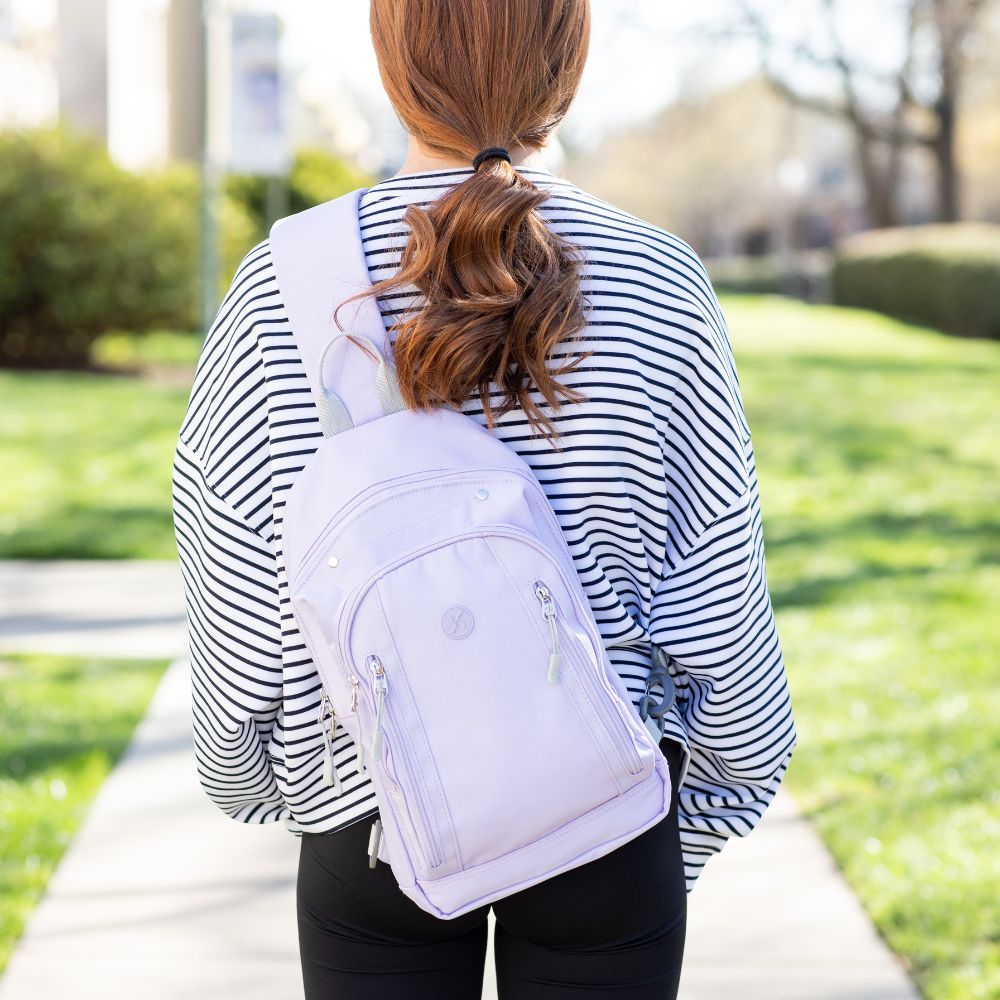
(653, 483)
(592, 344)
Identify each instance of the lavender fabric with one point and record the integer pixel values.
(434, 588)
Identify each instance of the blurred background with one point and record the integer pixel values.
(836, 163)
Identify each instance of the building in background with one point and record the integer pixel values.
(29, 91)
(130, 73)
(82, 68)
(725, 162)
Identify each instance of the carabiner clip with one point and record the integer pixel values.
(658, 710)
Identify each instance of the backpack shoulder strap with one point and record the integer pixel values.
(319, 263)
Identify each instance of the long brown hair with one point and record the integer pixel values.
(499, 288)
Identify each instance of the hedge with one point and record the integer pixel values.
(316, 176)
(804, 274)
(87, 247)
(945, 276)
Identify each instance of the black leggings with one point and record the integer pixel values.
(611, 928)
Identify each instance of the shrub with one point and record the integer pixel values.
(316, 176)
(945, 276)
(86, 247)
(176, 190)
(805, 274)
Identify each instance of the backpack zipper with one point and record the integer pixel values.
(380, 687)
(549, 614)
(309, 560)
(355, 684)
(345, 509)
(380, 690)
(503, 531)
(611, 720)
(331, 777)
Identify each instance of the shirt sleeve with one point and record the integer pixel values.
(234, 643)
(229, 569)
(712, 614)
(713, 617)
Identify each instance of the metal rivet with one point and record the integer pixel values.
(482, 494)
(332, 562)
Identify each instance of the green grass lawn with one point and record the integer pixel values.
(86, 457)
(879, 474)
(64, 721)
(880, 486)
(160, 350)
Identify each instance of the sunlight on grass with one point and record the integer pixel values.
(64, 722)
(86, 462)
(880, 486)
(876, 445)
(160, 349)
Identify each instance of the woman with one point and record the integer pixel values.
(620, 391)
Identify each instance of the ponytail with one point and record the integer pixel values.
(500, 290)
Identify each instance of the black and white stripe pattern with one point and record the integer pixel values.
(655, 488)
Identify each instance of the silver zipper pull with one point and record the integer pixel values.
(330, 775)
(374, 841)
(549, 614)
(355, 685)
(381, 686)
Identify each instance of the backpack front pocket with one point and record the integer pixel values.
(487, 753)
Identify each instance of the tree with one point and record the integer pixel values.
(923, 91)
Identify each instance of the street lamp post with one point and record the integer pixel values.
(244, 127)
(210, 170)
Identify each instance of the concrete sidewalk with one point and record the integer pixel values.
(92, 607)
(160, 895)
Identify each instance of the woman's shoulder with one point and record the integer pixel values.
(633, 256)
(646, 277)
(228, 381)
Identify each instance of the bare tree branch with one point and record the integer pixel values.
(951, 22)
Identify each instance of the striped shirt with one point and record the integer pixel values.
(655, 488)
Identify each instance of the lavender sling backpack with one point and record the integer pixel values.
(434, 588)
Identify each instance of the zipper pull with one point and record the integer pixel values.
(355, 685)
(374, 842)
(549, 614)
(381, 685)
(330, 775)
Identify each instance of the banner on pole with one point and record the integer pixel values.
(258, 128)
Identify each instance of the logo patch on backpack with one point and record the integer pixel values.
(457, 622)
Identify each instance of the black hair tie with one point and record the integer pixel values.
(494, 152)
